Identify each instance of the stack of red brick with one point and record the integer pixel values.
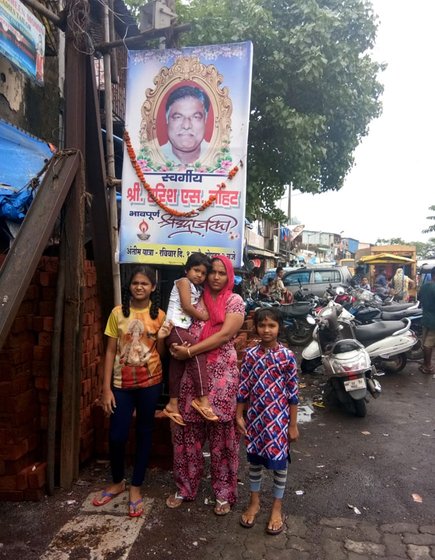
(25, 362)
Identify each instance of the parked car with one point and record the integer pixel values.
(317, 279)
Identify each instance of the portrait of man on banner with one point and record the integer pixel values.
(186, 122)
(186, 113)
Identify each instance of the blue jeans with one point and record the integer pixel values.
(145, 402)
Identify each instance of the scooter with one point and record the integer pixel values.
(387, 342)
(346, 363)
(365, 311)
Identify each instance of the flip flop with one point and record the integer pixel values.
(222, 507)
(248, 524)
(174, 416)
(280, 528)
(135, 509)
(105, 497)
(425, 370)
(205, 411)
(174, 500)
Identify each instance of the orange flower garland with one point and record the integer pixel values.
(163, 206)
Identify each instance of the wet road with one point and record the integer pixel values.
(381, 465)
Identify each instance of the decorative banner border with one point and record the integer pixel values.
(172, 208)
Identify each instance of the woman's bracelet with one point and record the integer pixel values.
(188, 353)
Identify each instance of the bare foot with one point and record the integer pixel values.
(173, 409)
(107, 495)
(135, 504)
(249, 516)
(276, 522)
(204, 401)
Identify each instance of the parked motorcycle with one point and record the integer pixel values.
(346, 363)
(387, 342)
(298, 331)
(365, 309)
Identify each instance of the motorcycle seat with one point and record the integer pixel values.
(298, 309)
(392, 307)
(377, 331)
(397, 315)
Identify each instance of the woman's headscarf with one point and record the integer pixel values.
(216, 305)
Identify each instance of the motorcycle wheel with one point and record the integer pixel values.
(357, 408)
(393, 364)
(416, 352)
(308, 366)
(360, 407)
(300, 334)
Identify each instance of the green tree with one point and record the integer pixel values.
(392, 241)
(314, 87)
(432, 218)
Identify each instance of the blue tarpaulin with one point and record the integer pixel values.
(22, 158)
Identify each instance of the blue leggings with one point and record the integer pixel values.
(279, 480)
(145, 402)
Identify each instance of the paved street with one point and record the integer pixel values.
(357, 489)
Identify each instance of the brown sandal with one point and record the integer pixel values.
(205, 411)
(174, 416)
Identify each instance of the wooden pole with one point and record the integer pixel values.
(72, 237)
(54, 372)
(110, 159)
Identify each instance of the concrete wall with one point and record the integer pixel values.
(29, 106)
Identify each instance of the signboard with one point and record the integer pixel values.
(22, 39)
(185, 148)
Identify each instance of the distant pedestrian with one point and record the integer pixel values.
(269, 385)
(381, 283)
(357, 277)
(426, 297)
(278, 288)
(401, 284)
(365, 285)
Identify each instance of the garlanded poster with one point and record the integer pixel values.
(22, 39)
(185, 149)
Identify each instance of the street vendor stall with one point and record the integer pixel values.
(390, 262)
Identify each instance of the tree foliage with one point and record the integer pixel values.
(314, 87)
(391, 241)
(432, 226)
(423, 249)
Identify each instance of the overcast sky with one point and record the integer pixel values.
(391, 186)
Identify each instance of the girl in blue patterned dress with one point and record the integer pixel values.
(269, 385)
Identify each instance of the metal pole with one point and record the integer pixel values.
(110, 158)
(289, 204)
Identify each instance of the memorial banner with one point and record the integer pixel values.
(185, 149)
